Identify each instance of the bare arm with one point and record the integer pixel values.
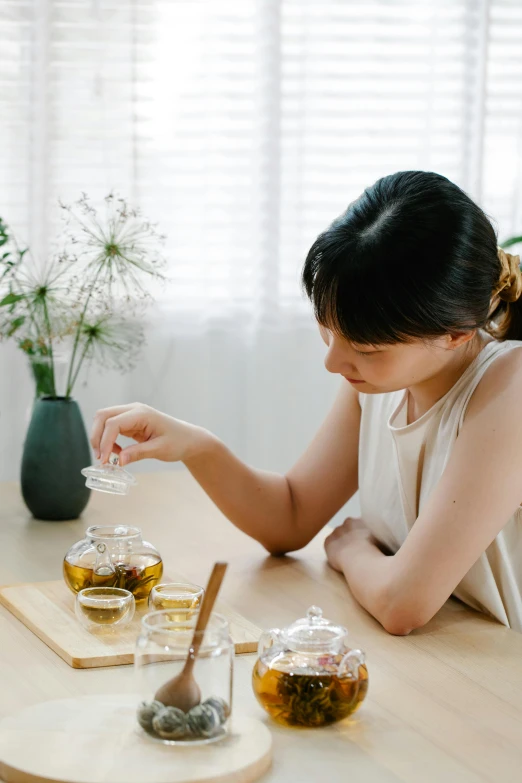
(282, 512)
(285, 512)
(478, 492)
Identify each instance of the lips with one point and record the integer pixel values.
(353, 380)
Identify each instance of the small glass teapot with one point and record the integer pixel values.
(307, 675)
(113, 557)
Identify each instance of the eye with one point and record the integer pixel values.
(365, 353)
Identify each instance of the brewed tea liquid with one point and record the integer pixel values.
(307, 699)
(104, 615)
(159, 602)
(139, 576)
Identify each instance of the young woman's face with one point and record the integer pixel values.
(386, 368)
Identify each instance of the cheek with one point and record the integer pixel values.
(388, 372)
(408, 369)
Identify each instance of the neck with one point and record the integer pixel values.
(422, 396)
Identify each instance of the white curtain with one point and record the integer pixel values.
(243, 127)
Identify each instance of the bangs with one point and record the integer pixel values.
(413, 258)
(355, 303)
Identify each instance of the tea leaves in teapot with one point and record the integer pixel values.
(308, 699)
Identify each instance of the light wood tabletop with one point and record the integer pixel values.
(444, 704)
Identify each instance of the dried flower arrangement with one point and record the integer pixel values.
(92, 293)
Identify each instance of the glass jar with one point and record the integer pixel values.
(160, 654)
(113, 557)
(307, 674)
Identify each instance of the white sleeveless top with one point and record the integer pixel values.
(399, 466)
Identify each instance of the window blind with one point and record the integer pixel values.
(245, 126)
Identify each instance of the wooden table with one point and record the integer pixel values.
(445, 703)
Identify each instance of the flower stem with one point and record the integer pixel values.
(50, 338)
(72, 375)
(80, 361)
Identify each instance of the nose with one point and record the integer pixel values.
(337, 362)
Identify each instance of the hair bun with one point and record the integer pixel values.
(509, 286)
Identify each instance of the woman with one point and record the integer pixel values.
(421, 316)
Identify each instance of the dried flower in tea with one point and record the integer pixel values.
(308, 699)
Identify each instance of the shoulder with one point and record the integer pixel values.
(500, 388)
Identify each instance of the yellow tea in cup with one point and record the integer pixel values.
(176, 595)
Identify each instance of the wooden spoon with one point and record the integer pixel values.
(183, 691)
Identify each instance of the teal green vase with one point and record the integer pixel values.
(56, 449)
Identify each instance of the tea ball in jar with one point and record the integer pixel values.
(147, 711)
(170, 723)
(203, 721)
(220, 705)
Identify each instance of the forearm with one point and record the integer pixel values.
(257, 502)
(365, 569)
(390, 590)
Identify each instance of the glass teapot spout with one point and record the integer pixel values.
(103, 566)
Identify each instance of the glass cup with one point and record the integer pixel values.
(160, 654)
(176, 595)
(104, 608)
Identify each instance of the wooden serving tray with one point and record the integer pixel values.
(47, 609)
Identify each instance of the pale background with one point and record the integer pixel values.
(243, 128)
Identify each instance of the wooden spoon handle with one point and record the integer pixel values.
(209, 599)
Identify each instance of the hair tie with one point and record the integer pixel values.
(509, 286)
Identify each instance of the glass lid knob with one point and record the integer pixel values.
(110, 477)
(314, 614)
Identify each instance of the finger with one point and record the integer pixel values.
(137, 451)
(99, 424)
(328, 541)
(114, 426)
(333, 535)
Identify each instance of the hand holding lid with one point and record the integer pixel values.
(109, 477)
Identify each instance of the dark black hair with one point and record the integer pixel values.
(413, 257)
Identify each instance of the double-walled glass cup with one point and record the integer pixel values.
(104, 608)
(174, 596)
(161, 651)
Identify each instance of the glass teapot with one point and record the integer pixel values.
(113, 557)
(307, 675)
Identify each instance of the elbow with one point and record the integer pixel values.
(291, 536)
(275, 550)
(398, 624)
(399, 616)
(280, 549)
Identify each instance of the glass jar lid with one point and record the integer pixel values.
(314, 633)
(109, 477)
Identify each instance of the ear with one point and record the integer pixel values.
(459, 338)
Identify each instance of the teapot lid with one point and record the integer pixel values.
(314, 633)
(109, 477)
